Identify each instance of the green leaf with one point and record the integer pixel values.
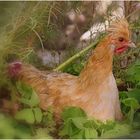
(69, 129)
(78, 127)
(25, 101)
(42, 133)
(38, 114)
(78, 135)
(131, 102)
(130, 115)
(92, 124)
(11, 129)
(137, 117)
(34, 101)
(23, 131)
(133, 105)
(72, 112)
(24, 89)
(137, 76)
(123, 95)
(131, 70)
(137, 63)
(109, 125)
(25, 115)
(90, 133)
(6, 128)
(135, 135)
(133, 73)
(135, 93)
(65, 130)
(118, 131)
(78, 122)
(48, 120)
(29, 96)
(72, 127)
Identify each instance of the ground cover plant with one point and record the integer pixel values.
(27, 29)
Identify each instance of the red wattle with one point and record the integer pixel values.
(121, 49)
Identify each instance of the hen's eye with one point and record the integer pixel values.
(121, 39)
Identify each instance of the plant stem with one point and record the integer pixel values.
(77, 55)
(39, 39)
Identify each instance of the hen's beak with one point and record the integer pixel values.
(131, 44)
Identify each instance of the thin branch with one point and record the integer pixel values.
(132, 13)
(71, 59)
(27, 55)
(50, 11)
(39, 39)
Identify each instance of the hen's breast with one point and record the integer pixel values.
(101, 102)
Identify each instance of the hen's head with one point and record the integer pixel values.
(120, 35)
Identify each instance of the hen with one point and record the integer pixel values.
(94, 90)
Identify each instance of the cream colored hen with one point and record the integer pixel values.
(94, 90)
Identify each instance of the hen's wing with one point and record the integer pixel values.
(54, 88)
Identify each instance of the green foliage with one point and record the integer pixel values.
(42, 133)
(10, 129)
(24, 27)
(77, 125)
(48, 120)
(75, 67)
(134, 93)
(133, 73)
(130, 104)
(31, 114)
(28, 95)
(71, 112)
(131, 98)
(25, 114)
(133, 105)
(117, 131)
(124, 62)
(17, 39)
(37, 114)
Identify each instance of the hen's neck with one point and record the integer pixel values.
(99, 65)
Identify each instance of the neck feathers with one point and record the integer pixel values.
(99, 65)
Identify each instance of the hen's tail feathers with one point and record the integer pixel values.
(29, 75)
(35, 78)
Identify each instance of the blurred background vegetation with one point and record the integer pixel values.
(38, 33)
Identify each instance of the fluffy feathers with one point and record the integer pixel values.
(94, 90)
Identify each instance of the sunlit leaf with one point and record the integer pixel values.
(25, 115)
(118, 131)
(123, 95)
(90, 133)
(131, 102)
(71, 112)
(42, 133)
(38, 114)
(78, 122)
(29, 96)
(135, 93)
(24, 89)
(78, 135)
(34, 101)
